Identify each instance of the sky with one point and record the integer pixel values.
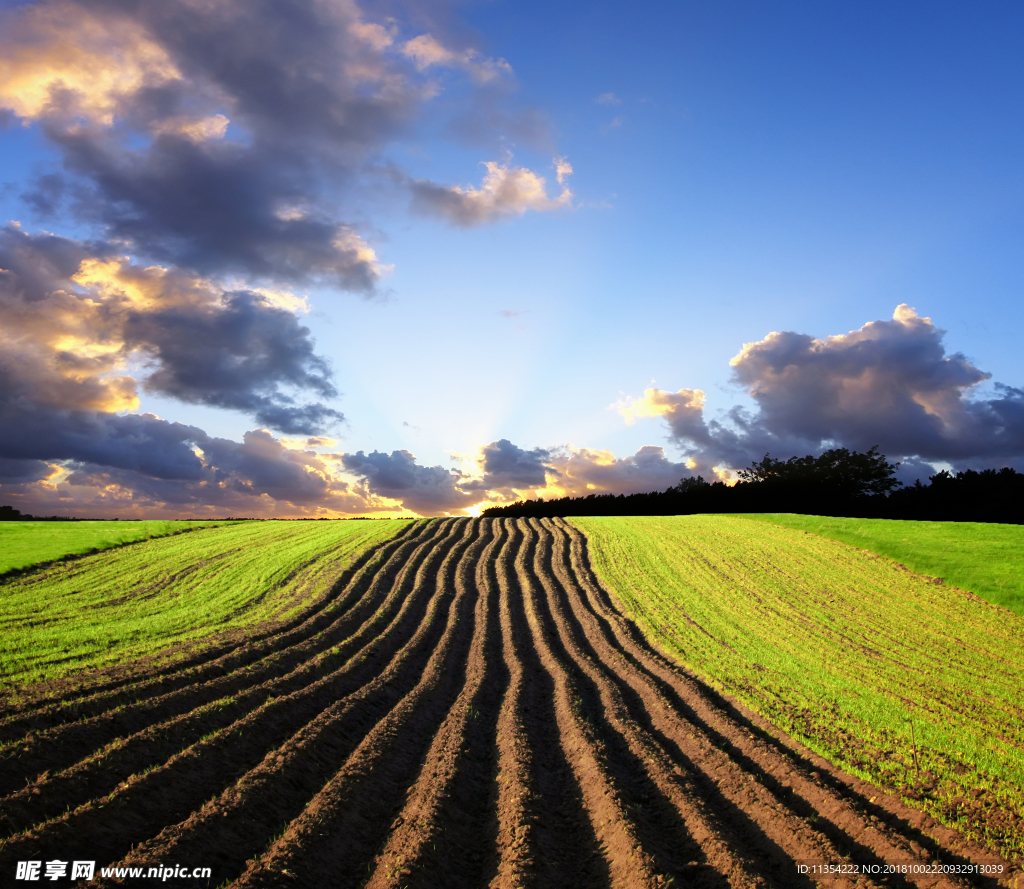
(320, 258)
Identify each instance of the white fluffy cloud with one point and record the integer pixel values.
(505, 191)
(427, 52)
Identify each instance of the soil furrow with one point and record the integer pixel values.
(267, 798)
(445, 833)
(389, 556)
(550, 840)
(613, 822)
(759, 757)
(515, 841)
(61, 747)
(172, 791)
(638, 713)
(100, 773)
(334, 841)
(670, 819)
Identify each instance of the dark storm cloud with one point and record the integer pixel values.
(34, 266)
(223, 137)
(116, 465)
(890, 383)
(262, 465)
(140, 443)
(23, 470)
(428, 490)
(235, 354)
(73, 320)
(218, 209)
(215, 136)
(507, 465)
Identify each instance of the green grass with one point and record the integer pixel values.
(140, 600)
(842, 649)
(28, 543)
(982, 557)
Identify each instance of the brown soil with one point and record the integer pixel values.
(467, 708)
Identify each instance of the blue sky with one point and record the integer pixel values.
(737, 169)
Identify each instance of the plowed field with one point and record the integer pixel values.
(473, 712)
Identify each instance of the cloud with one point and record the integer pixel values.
(506, 465)
(583, 471)
(506, 191)
(504, 471)
(890, 383)
(235, 353)
(100, 464)
(890, 380)
(104, 465)
(218, 209)
(427, 490)
(426, 52)
(183, 139)
(82, 325)
(20, 471)
(137, 443)
(197, 129)
(710, 442)
(563, 169)
(217, 174)
(191, 144)
(608, 99)
(64, 59)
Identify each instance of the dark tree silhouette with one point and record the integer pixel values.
(838, 482)
(842, 473)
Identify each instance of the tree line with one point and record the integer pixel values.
(839, 482)
(10, 514)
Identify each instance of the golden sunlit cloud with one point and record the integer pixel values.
(116, 278)
(284, 299)
(658, 403)
(308, 443)
(54, 54)
(349, 242)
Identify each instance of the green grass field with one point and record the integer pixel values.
(28, 543)
(129, 602)
(841, 648)
(985, 558)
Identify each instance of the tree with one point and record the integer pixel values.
(691, 484)
(837, 472)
